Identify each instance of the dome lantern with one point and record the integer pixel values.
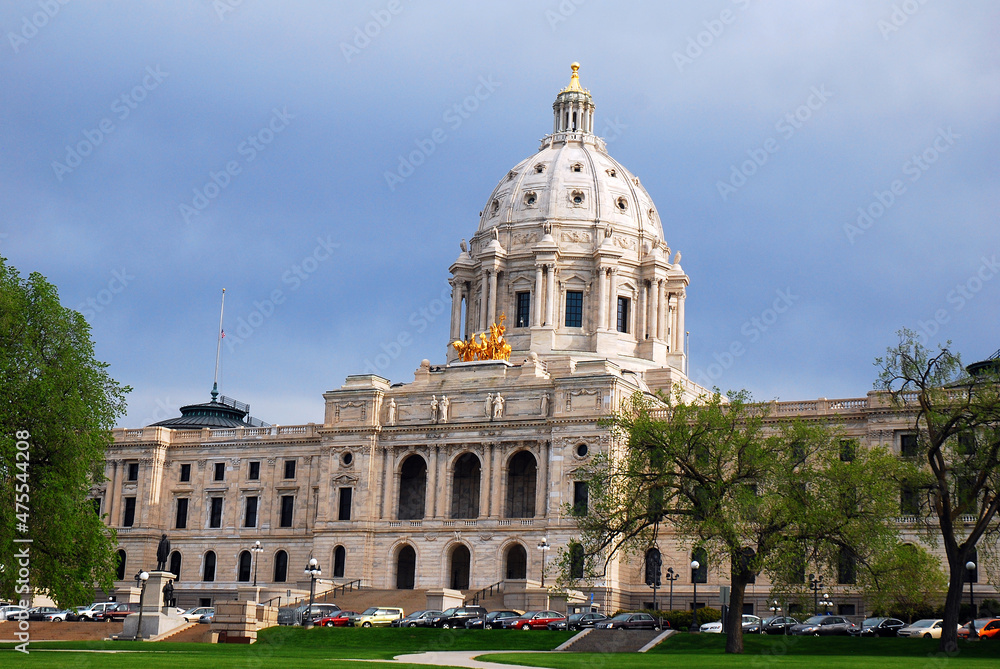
(573, 110)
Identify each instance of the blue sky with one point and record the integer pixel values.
(828, 170)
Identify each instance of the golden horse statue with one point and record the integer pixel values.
(494, 347)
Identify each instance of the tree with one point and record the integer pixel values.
(754, 492)
(904, 582)
(57, 407)
(956, 420)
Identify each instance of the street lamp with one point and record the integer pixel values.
(544, 547)
(695, 565)
(140, 578)
(826, 602)
(970, 567)
(256, 548)
(671, 576)
(815, 584)
(776, 610)
(312, 571)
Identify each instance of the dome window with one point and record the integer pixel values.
(539, 168)
(652, 214)
(576, 167)
(612, 172)
(576, 197)
(530, 199)
(622, 204)
(495, 207)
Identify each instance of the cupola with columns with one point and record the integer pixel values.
(570, 247)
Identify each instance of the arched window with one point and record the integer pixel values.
(575, 560)
(654, 563)
(243, 573)
(465, 488)
(460, 563)
(521, 474)
(208, 573)
(406, 565)
(339, 561)
(121, 565)
(280, 566)
(700, 575)
(516, 559)
(175, 564)
(412, 488)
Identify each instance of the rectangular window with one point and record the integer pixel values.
(848, 449)
(344, 508)
(908, 445)
(182, 513)
(96, 501)
(523, 310)
(623, 304)
(128, 520)
(185, 473)
(847, 568)
(220, 471)
(574, 308)
(846, 609)
(250, 518)
(287, 506)
(254, 473)
(289, 469)
(909, 502)
(966, 443)
(215, 512)
(581, 498)
(133, 471)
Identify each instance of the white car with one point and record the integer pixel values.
(751, 625)
(928, 628)
(195, 614)
(91, 611)
(13, 609)
(711, 628)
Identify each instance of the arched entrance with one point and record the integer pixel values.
(412, 488)
(521, 475)
(460, 562)
(406, 566)
(465, 488)
(516, 562)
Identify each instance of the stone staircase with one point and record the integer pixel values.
(614, 641)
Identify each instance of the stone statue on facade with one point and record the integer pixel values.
(168, 593)
(498, 407)
(162, 553)
(545, 404)
(390, 413)
(434, 408)
(463, 246)
(489, 405)
(443, 408)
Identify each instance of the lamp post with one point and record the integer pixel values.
(970, 566)
(695, 565)
(827, 603)
(312, 571)
(671, 576)
(544, 547)
(775, 608)
(141, 578)
(815, 585)
(254, 550)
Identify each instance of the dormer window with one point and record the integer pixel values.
(576, 167)
(612, 172)
(539, 168)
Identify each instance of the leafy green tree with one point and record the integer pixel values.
(756, 492)
(904, 582)
(57, 407)
(956, 419)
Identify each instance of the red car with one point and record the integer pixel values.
(337, 620)
(535, 620)
(121, 612)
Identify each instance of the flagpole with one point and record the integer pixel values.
(218, 349)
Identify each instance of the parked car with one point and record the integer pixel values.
(121, 612)
(459, 617)
(376, 616)
(879, 627)
(337, 620)
(295, 615)
(823, 626)
(58, 616)
(493, 619)
(751, 625)
(534, 620)
(778, 624)
(578, 621)
(986, 628)
(192, 615)
(76, 614)
(13, 612)
(633, 621)
(927, 628)
(207, 618)
(39, 612)
(95, 611)
(424, 618)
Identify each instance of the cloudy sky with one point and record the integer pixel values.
(828, 169)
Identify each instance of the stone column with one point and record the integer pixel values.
(432, 482)
(602, 303)
(114, 496)
(536, 308)
(456, 310)
(491, 311)
(550, 298)
(542, 494)
(482, 300)
(658, 307)
(647, 310)
(613, 299)
(680, 322)
(672, 322)
(485, 480)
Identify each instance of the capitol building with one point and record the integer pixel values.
(454, 479)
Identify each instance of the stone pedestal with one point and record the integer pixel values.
(128, 595)
(238, 622)
(525, 595)
(155, 620)
(248, 593)
(443, 598)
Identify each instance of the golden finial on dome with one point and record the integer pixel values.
(574, 80)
